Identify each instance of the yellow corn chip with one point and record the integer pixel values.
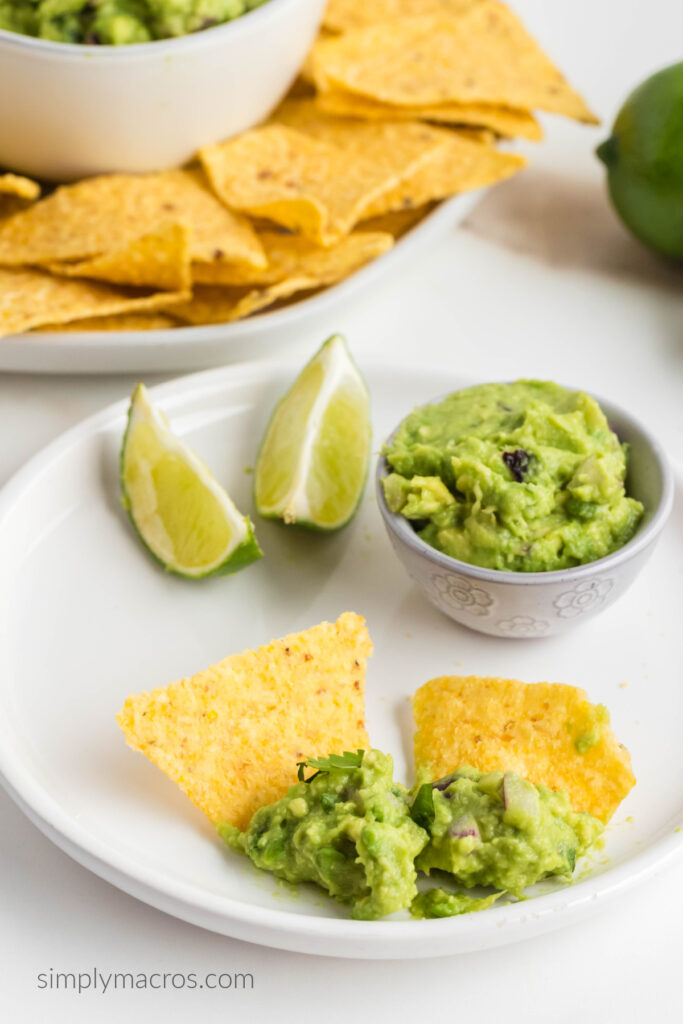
(293, 255)
(546, 732)
(301, 88)
(460, 167)
(343, 15)
(286, 176)
(221, 304)
(231, 736)
(16, 192)
(19, 186)
(502, 120)
(30, 298)
(483, 56)
(159, 259)
(397, 147)
(397, 222)
(118, 322)
(99, 215)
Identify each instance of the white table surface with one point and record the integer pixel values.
(541, 281)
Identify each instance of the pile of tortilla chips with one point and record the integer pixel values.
(399, 106)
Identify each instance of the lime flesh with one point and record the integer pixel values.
(644, 160)
(180, 512)
(314, 457)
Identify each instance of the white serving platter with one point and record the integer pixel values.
(86, 617)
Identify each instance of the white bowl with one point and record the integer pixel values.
(531, 605)
(72, 110)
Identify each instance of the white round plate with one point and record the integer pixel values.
(86, 617)
(193, 348)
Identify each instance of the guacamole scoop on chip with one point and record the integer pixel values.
(525, 477)
(117, 22)
(346, 827)
(497, 829)
(363, 837)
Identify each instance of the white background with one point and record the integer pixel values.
(542, 281)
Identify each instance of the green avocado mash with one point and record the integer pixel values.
(440, 903)
(117, 22)
(348, 829)
(351, 829)
(525, 477)
(500, 830)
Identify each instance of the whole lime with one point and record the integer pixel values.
(644, 160)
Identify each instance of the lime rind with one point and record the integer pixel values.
(339, 373)
(243, 548)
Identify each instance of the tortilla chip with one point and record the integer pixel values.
(344, 15)
(118, 322)
(301, 88)
(288, 177)
(399, 148)
(460, 167)
(231, 736)
(504, 121)
(158, 259)
(30, 298)
(293, 255)
(16, 192)
(537, 730)
(221, 304)
(483, 56)
(397, 222)
(102, 214)
(19, 186)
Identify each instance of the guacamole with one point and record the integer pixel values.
(347, 828)
(526, 477)
(441, 903)
(363, 837)
(500, 830)
(117, 22)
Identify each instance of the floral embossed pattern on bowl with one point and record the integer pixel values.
(456, 592)
(584, 597)
(523, 625)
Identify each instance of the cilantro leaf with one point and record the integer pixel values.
(335, 762)
(422, 812)
(348, 759)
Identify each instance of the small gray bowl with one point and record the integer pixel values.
(539, 604)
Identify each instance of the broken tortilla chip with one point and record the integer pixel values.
(504, 121)
(483, 56)
(30, 298)
(231, 736)
(461, 166)
(16, 192)
(288, 177)
(102, 214)
(546, 732)
(158, 259)
(344, 15)
(294, 255)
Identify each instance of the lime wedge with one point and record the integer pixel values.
(314, 457)
(181, 513)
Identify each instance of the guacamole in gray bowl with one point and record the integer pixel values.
(117, 22)
(524, 477)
